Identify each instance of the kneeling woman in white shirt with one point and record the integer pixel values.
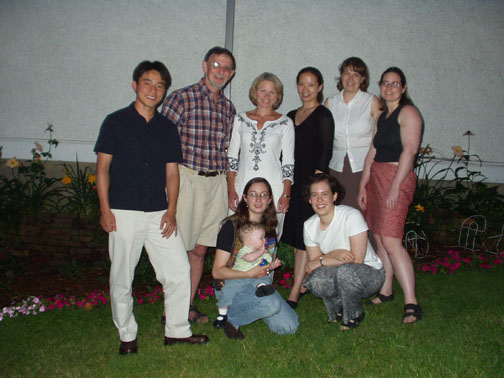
(343, 268)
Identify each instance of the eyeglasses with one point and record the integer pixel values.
(255, 195)
(394, 84)
(217, 66)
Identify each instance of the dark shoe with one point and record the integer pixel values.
(416, 312)
(163, 320)
(220, 321)
(382, 298)
(301, 295)
(128, 347)
(232, 332)
(198, 317)
(353, 323)
(264, 290)
(193, 339)
(292, 304)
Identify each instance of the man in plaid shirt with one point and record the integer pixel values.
(204, 118)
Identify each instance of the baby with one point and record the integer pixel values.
(254, 252)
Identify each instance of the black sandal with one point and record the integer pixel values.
(382, 298)
(337, 319)
(416, 312)
(353, 323)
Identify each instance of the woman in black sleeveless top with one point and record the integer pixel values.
(388, 185)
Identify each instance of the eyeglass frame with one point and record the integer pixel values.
(386, 84)
(216, 65)
(261, 196)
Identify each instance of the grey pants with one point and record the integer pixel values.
(343, 287)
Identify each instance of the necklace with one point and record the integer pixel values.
(307, 109)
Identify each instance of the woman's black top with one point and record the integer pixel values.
(387, 140)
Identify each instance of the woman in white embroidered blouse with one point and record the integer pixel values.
(260, 137)
(354, 111)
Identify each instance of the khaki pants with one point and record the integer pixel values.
(168, 257)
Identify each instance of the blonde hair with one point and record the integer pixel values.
(267, 76)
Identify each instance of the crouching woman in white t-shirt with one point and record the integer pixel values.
(343, 268)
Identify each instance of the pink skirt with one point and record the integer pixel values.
(380, 219)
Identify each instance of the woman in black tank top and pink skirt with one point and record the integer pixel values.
(388, 185)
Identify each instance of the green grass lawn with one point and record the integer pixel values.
(461, 335)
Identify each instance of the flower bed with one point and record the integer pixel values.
(35, 305)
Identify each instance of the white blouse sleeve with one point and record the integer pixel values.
(288, 151)
(234, 145)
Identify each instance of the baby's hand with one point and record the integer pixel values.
(275, 264)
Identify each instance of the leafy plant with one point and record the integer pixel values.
(79, 191)
(448, 187)
(29, 192)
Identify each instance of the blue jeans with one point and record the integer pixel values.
(232, 287)
(246, 307)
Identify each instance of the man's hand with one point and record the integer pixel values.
(168, 225)
(233, 199)
(108, 221)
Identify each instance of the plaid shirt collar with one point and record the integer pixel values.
(212, 97)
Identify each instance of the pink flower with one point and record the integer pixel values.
(140, 301)
(12, 163)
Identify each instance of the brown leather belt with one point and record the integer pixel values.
(183, 168)
(210, 173)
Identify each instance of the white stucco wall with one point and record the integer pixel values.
(69, 62)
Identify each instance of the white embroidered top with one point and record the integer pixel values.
(256, 153)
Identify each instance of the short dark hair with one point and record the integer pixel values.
(217, 50)
(334, 184)
(358, 66)
(146, 66)
(320, 79)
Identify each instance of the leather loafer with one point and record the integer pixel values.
(128, 347)
(193, 339)
(232, 332)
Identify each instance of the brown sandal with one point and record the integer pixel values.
(199, 318)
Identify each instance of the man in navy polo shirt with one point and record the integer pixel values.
(137, 168)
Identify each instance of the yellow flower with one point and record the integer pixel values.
(91, 179)
(457, 150)
(67, 180)
(12, 163)
(419, 208)
(38, 147)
